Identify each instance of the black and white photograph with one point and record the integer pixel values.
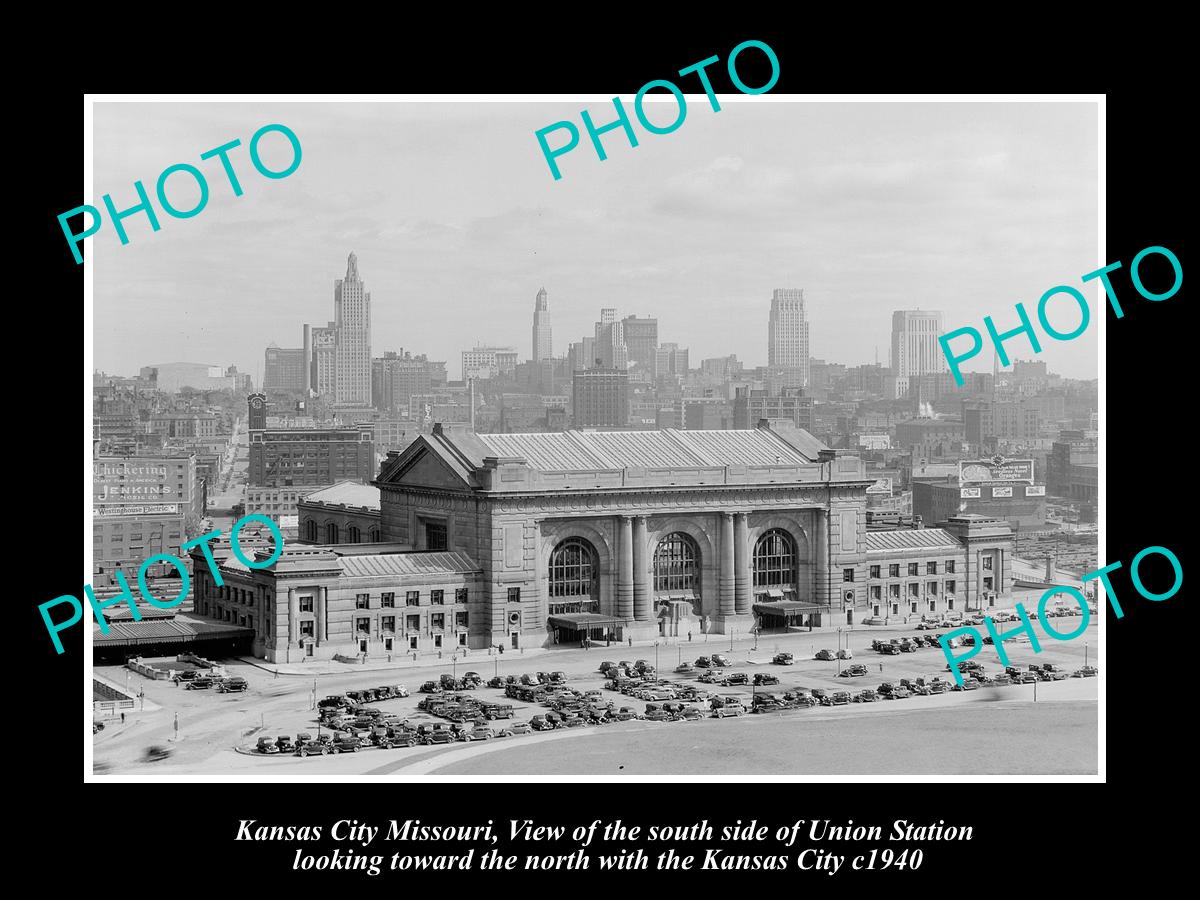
(523, 439)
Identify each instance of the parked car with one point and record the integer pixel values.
(429, 687)
(185, 676)
(233, 685)
(496, 682)
(926, 626)
(765, 678)
(542, 723)
(685, 669)
(1086, 672)
(845, 653)
(738, 678)
(480, 733)
(874, 620)
(344, 742)
(889, 649)
(900, 693)
(202, 683)
(719, 660)
(839, 698)
(968, 684)
(783, 659)
(312, 748)
(855, 671)
(333, 702)
(266, 745)
(826, 654)
(821, 696)
(729, 706)
(704, 662)
(284, 743)
(520, 728)
(867, 696)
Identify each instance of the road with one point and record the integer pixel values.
(981, 732)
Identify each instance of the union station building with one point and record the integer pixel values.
(532, 540)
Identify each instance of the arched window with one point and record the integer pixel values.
(574, 574)
(775, 560)
(353, 535)
(373, 535)
(310, 530)
(676, 565)
(331, 533)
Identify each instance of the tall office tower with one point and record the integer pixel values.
(915, 348)
(641, 341)
(352, 315)
(541, 327)
(610, 348)
(283, 370)
(322, 344)
(600, 398)
(787, 334)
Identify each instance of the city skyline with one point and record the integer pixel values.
(961, 207)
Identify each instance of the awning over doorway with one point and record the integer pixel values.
(583, 621)
(787, 608)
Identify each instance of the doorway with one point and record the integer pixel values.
(516, 640)
(849, 617)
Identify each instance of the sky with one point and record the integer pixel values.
(963, 207)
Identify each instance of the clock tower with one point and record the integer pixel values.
(258, 411)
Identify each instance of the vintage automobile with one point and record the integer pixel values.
(867, 696)
(826, 654)
(344, 742)
(1086, 672)
(783, 659)
(728, 706)
(875, 620)
(542, 723)
(496, 682)
(737, 678)
(927, 626)
(233, 685)
(439, 736)
(820, 695)
(202, 683)
(704, 662)
(284, 743)
(431, 687)
(765, 678)
(519, 728)
(900, 693)
(266, 745)
(685, 669)
(889, 649)
(492, 711)
(480, 733)
(311, 748)
(839, 698)
(845, 653)
(855, 671)
(334, 701)
(968, 684)
(721, 661)
(185, 676)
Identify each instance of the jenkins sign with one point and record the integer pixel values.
(138, 481)
(995, 469)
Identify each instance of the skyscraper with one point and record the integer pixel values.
(787, 334)
(542, 347)
(641, 341)
(915, 348)
(352, 316)
(610, 348)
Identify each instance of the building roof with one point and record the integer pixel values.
(437, 562)
(911, 539)
(346, 493)
(668, 449)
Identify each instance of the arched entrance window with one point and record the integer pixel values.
(373, 535)
(354, 535)
(677, 565)
(331, 533)
(775, 562)
(574, 578)
(310, 531)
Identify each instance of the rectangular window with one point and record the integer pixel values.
(949, 567)
(913, 606)
(435, 536)
(437, 597)
(306, 604)
(874, 571)
(437, 621)
(987, 564)
(412, 642)
(412, 598)
(437, 640)
(388, 623)
(306, 629)
(950, 587)
(931, 588)
(913, 568)
(362, 601)
(460, 595)
(931, 568)
(514, 595)
(893, 590)
(362, 626)
(387, 600)
(460, 619)
(895, 609)
(847, 574)
(914, 589)
(412, 623)
(894, 570)
(876, 592)
(987, 583)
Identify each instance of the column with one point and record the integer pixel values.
(293, 615)
(821, 579)
(641, 571)
(743, 592)
(322, 600)
(625, 568)
(727, 582)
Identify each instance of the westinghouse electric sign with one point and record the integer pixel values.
(185, 171)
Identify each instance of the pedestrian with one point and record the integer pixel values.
(881, 667)
(122, 718)
(689, 637)
(277, 674)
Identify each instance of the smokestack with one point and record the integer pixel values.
(308, 361)
(471, 391)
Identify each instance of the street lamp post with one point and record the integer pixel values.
(656, 656)
(731, 639)
(1085, 653)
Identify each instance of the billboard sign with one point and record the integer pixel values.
(1002, 491)
(969, 493)
(995, 469)
(156, 509)
(140, 480)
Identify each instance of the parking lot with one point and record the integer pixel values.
(219, 731)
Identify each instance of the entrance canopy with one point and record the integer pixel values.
(583, 621)
(787, 608)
